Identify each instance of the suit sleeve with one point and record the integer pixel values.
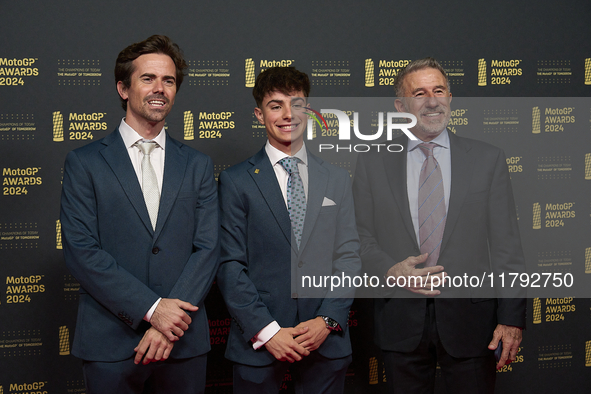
(376, 262)
(240, 293)
(346, 259)
(195, 281)
(97, 271)
(506, 253)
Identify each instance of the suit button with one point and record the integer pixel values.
(294, 295)
(155, 251)
(300, 264)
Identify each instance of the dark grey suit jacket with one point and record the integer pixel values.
(259, 260)
(481, 236)
(122, 264)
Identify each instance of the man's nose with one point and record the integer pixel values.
(431, 100)
(158, 86)
(287, 112)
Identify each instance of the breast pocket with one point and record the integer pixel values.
(187, 199)
(479, 196)
(329, 209)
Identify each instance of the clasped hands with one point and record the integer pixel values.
(169, 322)
(294, 343)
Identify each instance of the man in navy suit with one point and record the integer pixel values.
(140, 233)
(265, 255)
(418, 327)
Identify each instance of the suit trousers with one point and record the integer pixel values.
(414, 372)
(313, 374)
(178, 376)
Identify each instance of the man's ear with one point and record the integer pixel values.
(122, 90)
(399, 105)
(259, 114)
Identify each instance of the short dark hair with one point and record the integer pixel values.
(153, 44)
(283, 79)
(417, 65)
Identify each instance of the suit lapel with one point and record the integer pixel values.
(115, 154)
(317, 184)
(395, 166)
(175, 165)
(263, 175)
(461, 175)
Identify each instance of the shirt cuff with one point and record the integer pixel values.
(151, 310)
(265, 334)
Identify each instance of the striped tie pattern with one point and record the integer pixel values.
(296, 198)
(149, 181)
(432, 212)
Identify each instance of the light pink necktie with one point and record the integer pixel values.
(432, 212)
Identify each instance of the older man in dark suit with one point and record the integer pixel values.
(444, 203)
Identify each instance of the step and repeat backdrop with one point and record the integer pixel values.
(520, 73)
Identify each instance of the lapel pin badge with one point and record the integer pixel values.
(257, 171)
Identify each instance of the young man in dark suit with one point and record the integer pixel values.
(286, 213)
(140, 223)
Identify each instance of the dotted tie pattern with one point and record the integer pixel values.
(296, 197)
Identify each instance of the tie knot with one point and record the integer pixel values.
(427, 148)
(146, 146)
(290, 164)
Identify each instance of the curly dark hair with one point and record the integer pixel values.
(282, 79)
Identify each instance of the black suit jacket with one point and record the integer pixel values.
(481, 236)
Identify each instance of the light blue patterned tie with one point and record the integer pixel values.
(296, 197)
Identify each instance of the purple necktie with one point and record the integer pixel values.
(432, 211)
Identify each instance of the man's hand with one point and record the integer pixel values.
(510, 336)
(171, 319)
(316, 335)
(153, 347)
(284, 347)
(430, 277)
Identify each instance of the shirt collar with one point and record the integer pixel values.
(275, 155)
(130, 136)
(441, 140)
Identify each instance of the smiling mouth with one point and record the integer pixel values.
(157, 103)
(290, 127)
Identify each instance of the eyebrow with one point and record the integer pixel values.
(436, 87)
(274, 102)
(154, 76)
(281, 102)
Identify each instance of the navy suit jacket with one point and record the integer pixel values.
(261, 266)
(122, 264)
(481, 236)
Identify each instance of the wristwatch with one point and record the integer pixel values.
(331, 324)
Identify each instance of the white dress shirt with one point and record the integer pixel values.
(130, 139)
(275, 155)
(414, 162)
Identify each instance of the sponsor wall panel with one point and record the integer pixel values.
(56, 80)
